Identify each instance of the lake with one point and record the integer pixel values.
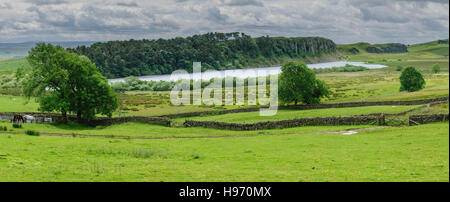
(245, 73)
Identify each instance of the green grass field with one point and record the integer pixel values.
(11, 65)
(252, 117)
(10, 103)
(419, 153)
(379, 85)
(155, 131)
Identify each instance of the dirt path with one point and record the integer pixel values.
(341, 132)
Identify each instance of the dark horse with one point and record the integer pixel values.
(18, 119)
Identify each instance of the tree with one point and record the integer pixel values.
(68, 83)
(435, 68)
(411, 80)
(299, 84)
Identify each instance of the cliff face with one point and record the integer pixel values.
(315, 45)
(302, 46)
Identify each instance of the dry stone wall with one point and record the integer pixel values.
(318, 121)
(421, 119)
(314, 106)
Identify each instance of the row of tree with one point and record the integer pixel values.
(215, 50)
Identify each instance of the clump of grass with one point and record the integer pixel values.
(141, 153)
(133, 152)
(16, 125)
(32, 133)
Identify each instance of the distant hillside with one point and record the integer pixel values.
(215, 50)
(20, 50)
(443, 41)
(439, 47)
(372, 48)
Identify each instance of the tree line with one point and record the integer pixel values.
(216, 51)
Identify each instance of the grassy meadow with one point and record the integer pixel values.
(11, 65)
(418, 153)
(149, 131)
(11, 103)
(252, 117)
(146, 152)
(421, 56)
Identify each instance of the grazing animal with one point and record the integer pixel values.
(18, 119)
(29, 118)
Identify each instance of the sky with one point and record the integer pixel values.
(343, 21)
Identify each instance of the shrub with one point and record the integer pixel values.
(436, 68)
(16, 125)
(411, 80)
(32, 133)
(399, 68)
(3, 128)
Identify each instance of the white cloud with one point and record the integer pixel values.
(344, 21)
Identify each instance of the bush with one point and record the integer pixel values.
(32, 133)
(399, 68)
(346, 68)
(436, 68)
(3, 128)
(411, 80)
(16, 125)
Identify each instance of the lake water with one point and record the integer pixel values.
(244, 73)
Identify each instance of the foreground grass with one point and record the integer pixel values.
(419, 153)
(156, 131)
(252, 117)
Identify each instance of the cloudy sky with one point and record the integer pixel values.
(344, 21)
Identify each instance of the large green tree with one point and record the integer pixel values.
(411, 80)
(67, 83)
(298, 83)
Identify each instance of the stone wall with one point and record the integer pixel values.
(421, 119)
(54, 118)
(318, 121)
(314, 106)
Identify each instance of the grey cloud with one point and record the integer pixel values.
(214, 14)
(47, 2)
(437, 1)
(5, 5)
(129, 4)
(433, 25)
(382, 16)
(345, 21)
(243, 3)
